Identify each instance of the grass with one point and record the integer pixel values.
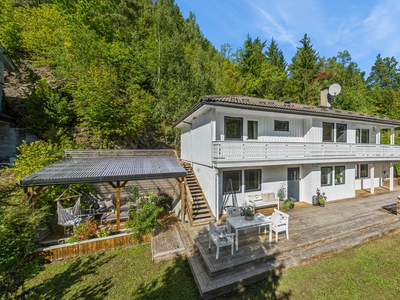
(370, 271)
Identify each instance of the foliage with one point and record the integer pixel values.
(144, 218)
(49, 114)
(18, 231)
(321, 197)
(82, 231)
(38, 155)
(247, 211)
(103, 231)
(282, 191)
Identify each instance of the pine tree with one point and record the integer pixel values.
(304, 73)
(275, 56)
(385, 72)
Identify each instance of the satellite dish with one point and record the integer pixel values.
(334, 89)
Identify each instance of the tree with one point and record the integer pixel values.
(305, 74)
(385, 73)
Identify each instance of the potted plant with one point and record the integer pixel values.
(287, 204)
(248, 213)
(338, 177)
(292, 201)
(321, 198)
(281, 192)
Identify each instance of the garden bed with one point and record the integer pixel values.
(65, 250)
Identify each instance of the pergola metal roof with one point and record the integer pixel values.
(89, 166)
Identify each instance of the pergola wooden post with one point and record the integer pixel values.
(32, 192)
(181, 181)
(117, 187)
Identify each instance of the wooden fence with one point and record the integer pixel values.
(64, 251)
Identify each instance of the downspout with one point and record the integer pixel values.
(216, 189)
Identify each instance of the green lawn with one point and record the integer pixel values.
(371, 271)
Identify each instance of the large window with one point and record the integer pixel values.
(233, 128)
(252, 180)
(363, 170)
(339, 175)
(358, 136)
(252, 130)
(357, 171)
(341, 133)
(326, 176)
(327, 132)
(364, 136)
(236, 177)
(281, 125)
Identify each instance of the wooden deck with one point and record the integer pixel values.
(170, 240)
(314, 232)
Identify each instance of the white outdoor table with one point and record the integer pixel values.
(239, 223)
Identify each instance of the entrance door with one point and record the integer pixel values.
(293, 183)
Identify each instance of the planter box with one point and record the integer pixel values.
(63, 251)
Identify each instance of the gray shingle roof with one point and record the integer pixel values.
(102, 167)
(279, 106)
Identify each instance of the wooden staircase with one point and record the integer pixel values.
(200, 211)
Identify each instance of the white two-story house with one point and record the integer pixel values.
(261, 144)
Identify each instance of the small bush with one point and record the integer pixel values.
(144, 218)
(83, 232)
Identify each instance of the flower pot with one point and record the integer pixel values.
(292, 206)
(249, 218)
(315, 200)
(322, 205)
(287, 208)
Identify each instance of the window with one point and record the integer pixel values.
(326, 176)
(341, 133)
(357, 172)
(236, 177)
(252, 130)
(363, 170)
(252, 180)
(327, 132)
(233, 128)
(365, 136)
(281, 125)
(339, 175)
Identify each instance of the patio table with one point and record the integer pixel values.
(239, 223)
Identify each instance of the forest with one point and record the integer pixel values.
(127, 69)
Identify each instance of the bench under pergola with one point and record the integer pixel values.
(117, 167)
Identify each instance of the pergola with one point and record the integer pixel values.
(117, 167)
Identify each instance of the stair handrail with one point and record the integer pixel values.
(189, 204)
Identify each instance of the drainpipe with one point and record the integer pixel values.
(216, 192)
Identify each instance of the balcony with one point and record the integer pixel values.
(278, 153)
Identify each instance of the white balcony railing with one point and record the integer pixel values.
(228, 150)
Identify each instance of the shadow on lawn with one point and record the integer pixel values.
(176, 282)
(64, 282)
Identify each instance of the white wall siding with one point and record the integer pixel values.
(186, 143)
(206, 177)
(202, 138)
(339, 191)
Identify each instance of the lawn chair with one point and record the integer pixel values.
(220, 237)
(279, 223)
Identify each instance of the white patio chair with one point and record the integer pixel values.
(220, 237)
(279, 223)
(233, 212)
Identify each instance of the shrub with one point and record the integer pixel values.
(144, 218)
(103, 231)
(83, 232)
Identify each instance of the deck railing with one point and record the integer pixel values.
(228, 150)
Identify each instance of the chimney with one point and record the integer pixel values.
(325, 101)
